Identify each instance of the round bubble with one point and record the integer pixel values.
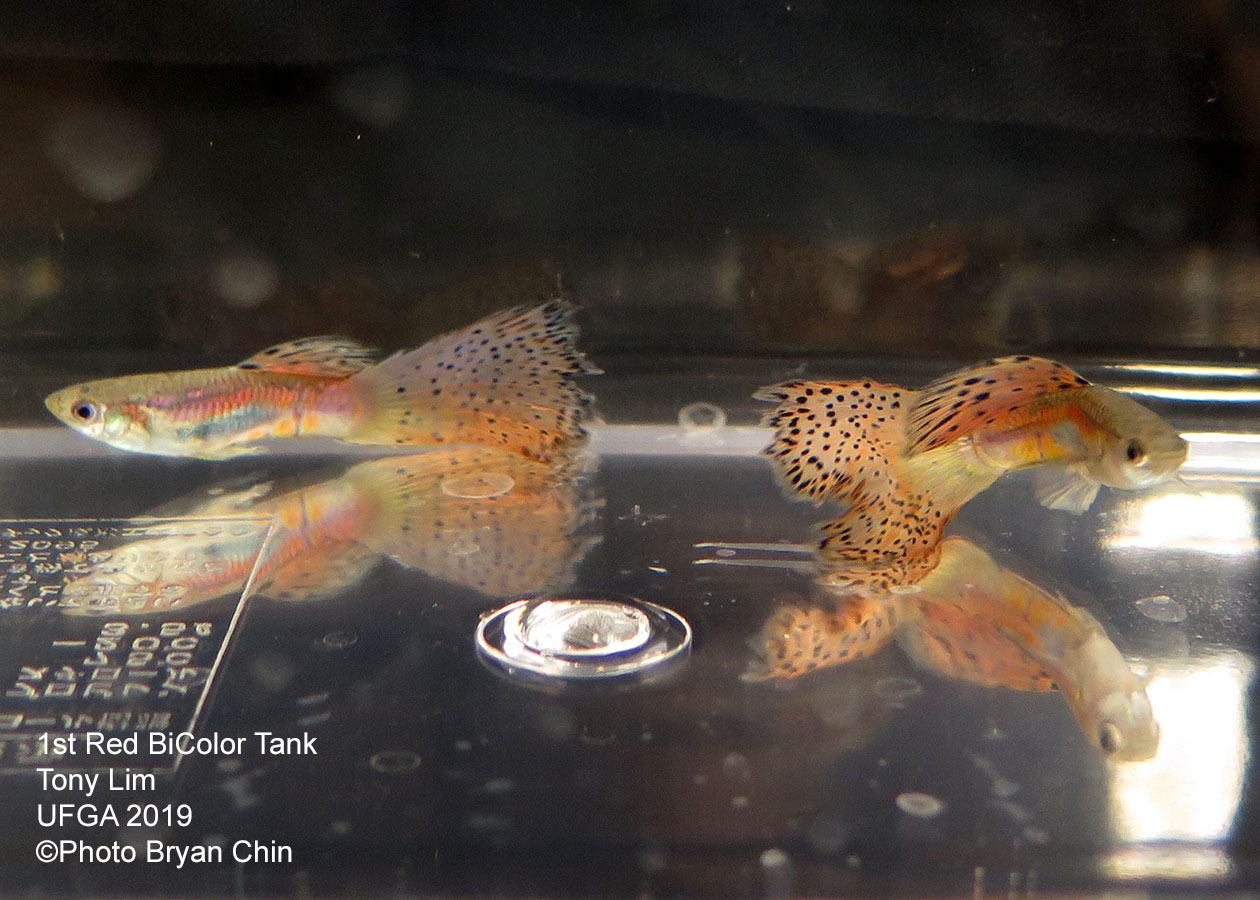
(394, 762)
(478, 485)
(701, 417)
(244, 279)
(1162, 608)
(107, 152)
(924, 806)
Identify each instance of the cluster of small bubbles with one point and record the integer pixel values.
(339, 640)
(272, 672)
(897, 688)
(478, 485)
(701, 417)
(245, 279)
(394, 762)
(740, 802)
(339, 827)
(1162, 608)
(377, 95)
(916, 803)
(107, 152)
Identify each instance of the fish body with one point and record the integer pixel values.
(1021, 411)
(505, 381)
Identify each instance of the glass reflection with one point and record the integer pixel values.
(1192, 788)
(971, 619)
(480, 517)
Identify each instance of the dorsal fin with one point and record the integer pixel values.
(324, 356)
(1003, 393)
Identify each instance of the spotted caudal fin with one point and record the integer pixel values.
(482, 517)
(836, 440)
(796, 640)
(1002, 393)
(504, 381)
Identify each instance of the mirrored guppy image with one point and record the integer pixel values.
(902, 463)
(481, 517)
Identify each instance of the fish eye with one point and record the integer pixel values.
(1135, 453)
(84, 410)
(1109, 738)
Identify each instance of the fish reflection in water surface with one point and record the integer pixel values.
(901, 463)
(971, 619)
(481, 517)
(505, 381)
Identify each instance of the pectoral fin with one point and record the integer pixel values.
(1063, 487)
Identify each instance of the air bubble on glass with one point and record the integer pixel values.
(700, 418)
(107, 152)
(923, 806)
(1162, 608)
(339, 640)
(245, 279)
(394, 762)
(477, 485)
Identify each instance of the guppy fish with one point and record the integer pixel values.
(505, 381)
(1022, 411)
(481, 517)
(903, 462)
(971, 619)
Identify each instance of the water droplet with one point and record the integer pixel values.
(925, 806)
(740, 802)
(1162, 608)
(701, 417)
(394, 762)
(339, 640)
(339, 827)
(478, 485)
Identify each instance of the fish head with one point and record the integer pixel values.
(104, 411)
(1123, 725)
(1144, 449)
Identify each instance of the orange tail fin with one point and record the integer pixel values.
(504, 381)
